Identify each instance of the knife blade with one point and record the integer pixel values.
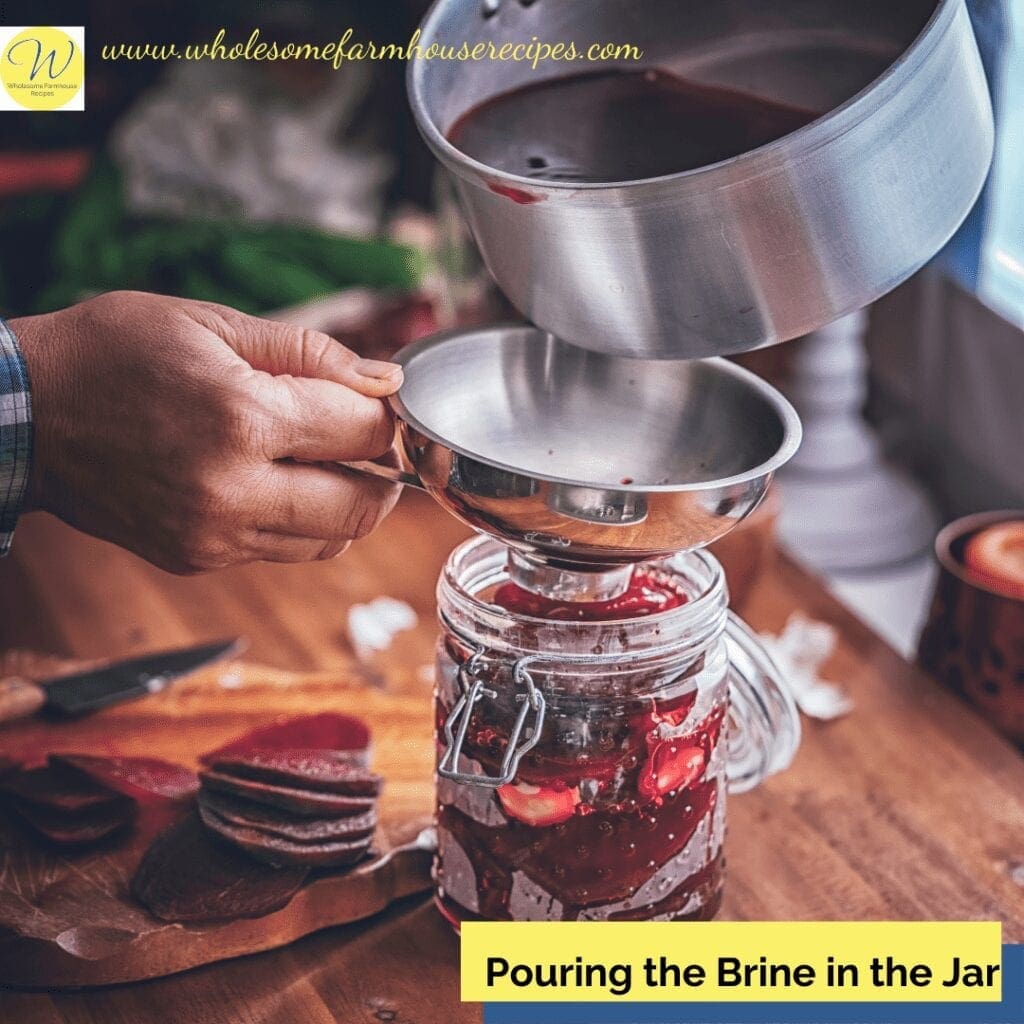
(70, 696)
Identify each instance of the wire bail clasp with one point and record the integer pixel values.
(457, 723)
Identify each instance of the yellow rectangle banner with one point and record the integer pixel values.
(610, 961)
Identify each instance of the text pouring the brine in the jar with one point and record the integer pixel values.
(733, 972)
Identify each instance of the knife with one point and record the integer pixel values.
(70, 696)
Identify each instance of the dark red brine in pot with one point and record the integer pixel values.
(617, 813)
(617, 125)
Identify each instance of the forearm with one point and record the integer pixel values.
(16, 434)
(190, 433)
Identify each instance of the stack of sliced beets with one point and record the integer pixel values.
(76, 800)
(274, 804)
(296, 793)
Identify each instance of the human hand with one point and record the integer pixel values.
(171, 427)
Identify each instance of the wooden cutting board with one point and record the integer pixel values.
(68, 920)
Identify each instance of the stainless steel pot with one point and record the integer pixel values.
(756, 249)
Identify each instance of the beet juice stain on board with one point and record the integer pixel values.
(607, 126)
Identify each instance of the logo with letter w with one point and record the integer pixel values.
(42, 68)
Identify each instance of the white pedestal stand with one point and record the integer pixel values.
(844, 508)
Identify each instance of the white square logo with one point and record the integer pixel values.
(42, 67)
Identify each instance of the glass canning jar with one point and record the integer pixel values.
(583, 766)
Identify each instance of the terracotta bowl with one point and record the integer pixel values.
(974, 639)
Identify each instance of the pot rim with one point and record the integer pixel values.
(793, 146)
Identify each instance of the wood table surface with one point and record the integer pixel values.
(909, 808)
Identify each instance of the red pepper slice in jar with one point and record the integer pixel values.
(670, 766)
(538, 806)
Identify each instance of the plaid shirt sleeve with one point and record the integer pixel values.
(15, 434)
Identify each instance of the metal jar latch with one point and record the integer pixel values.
(457, 723)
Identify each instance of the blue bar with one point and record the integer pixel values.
(1009, 1011)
